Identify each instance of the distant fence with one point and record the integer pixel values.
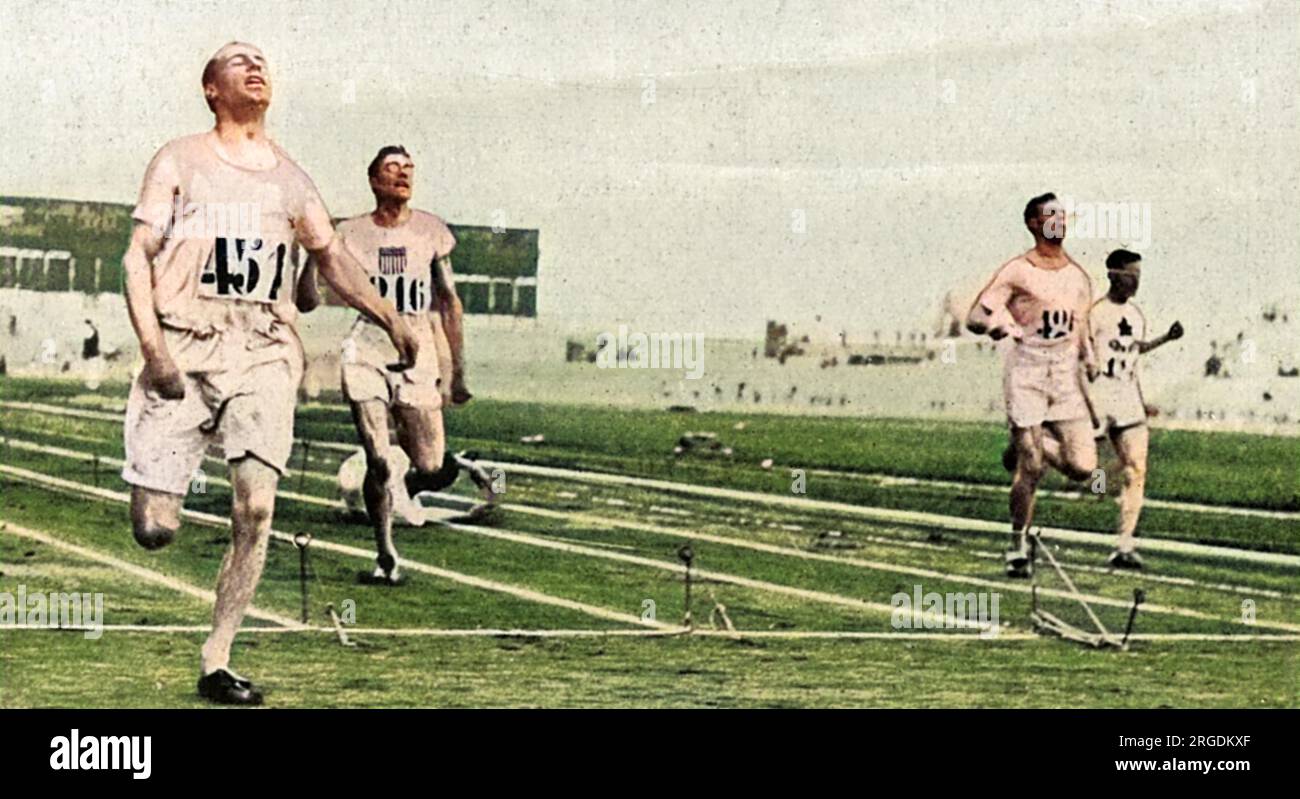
(482, 294)
(59, 270)
(75, 245)
(52, 270)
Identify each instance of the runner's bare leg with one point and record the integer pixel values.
(252, 509)
(371, 419)
(1074, 446)
(1131, 446)
(1024, 483)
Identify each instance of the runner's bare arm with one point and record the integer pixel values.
(307, 293)
(160, 371)
(1175, 332)
(343, 274)
(989, 314)
(452, 314)
(1087, 348)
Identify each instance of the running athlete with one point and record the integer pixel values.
(407, 254)
(1040, 299)
(210, 286)
(1118, 329)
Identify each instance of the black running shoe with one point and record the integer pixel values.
(1124, 560)
(482, 479)
(225, 688)
(386, 573)
(379, 577)
(1020, 564)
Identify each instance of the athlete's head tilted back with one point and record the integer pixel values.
(211, 290)
(237, 81)
(392, 174)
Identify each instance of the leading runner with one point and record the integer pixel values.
(210, 287)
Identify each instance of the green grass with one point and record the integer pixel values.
(1239, 469)
(869, 563)
(1229, 469)
(140, 670)
(1215, 468)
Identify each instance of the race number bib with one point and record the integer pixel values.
(1123, 357)
(1056, 324)
(407, 293)
(244, 270)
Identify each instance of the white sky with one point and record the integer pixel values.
(907, 135)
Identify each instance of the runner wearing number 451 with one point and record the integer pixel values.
(1041, 300)
(211, 287)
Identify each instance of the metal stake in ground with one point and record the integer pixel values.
(301, 541)
(687, 555)
(1139, 596)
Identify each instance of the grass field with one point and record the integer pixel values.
(571, 563)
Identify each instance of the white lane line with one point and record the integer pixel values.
(892, 481)
(367, 555)
(599, 521)
(884, 480)
(523, 538)
(1147, 576)
(872, 565)
(952, 523)
(109, 460)
(856, 537)
(118, 418)
(139, 572)
(720, 577)
(59, 410)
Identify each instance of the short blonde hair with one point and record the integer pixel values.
(210, 69)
